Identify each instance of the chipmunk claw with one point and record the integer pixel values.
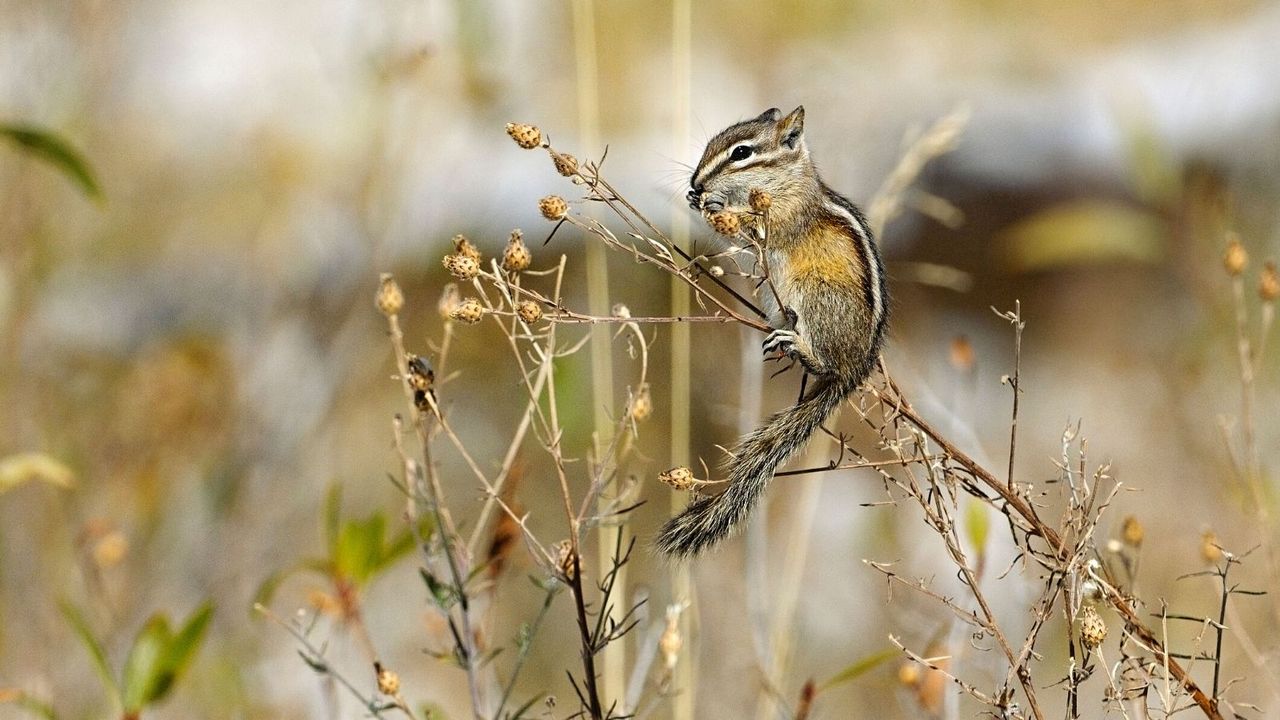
(781, 341)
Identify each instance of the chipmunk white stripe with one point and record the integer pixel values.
(874, 272)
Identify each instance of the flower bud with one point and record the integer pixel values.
(553, 207)
(1235, 259)
(725, 223)
(469, 312)
(1093, 630)
(680, 478)
(566, 164)
(516, 257)
(389, 299)
(463, 246)
(526, 136)
(462, 267)
(529, 311)
(1269, 282)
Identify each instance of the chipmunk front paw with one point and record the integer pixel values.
(780, 341)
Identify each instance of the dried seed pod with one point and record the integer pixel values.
(422, 378)
(516, 257)
(1269, 282)
(725, 223)
(469, 311)
(563, 551)
(553, 207)
(1093, 630)
(462, 267)
(463, 246)
(642, 403)
(621, 311)
(529, 311)
(679, 477)
(1090, 592)
(716, 271)
(760, 200)
(566, 164)
(526, 136)
(449, 301)
(389, 299)
(1235, 259)
(388, 680)
(1132, 531)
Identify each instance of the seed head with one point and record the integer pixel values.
(760, 200)
(725, 223)
(1269, 282)
(642, 404)
(449, 301)
(1210, 551)
(1235, 259)
(462, 267)
(563, 551)
(469, 312)
(1093, 630)
(389, 299)
(463, 246)
(553, 207)
(680, 478)
(529, 311)
(388, 680)
(716, 271)
(526, 136)
(621, 311)
(516, 257)
(1132, 531)
(566, 164)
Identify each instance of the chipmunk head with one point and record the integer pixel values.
(766, 153)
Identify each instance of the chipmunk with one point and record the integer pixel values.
(831, 300)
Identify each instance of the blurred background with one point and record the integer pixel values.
(190, 355)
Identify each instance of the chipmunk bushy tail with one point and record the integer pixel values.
(709, 520)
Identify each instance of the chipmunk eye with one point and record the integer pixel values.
(742, 152)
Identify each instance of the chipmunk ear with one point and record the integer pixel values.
(791, 128)
(770, 115)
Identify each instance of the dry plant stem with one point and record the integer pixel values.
(448, 531)
(532, 407)
(584, 36)
(314, 657)
(1245, 356)
(683, 703)
(1038, 527)
(1015, 318)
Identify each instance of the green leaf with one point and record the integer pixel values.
(56, 151)
(977, 525)
(859, 668)
(183, 647)
(96, 653)
(360, 548)
(159, 657)
(144, 668)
